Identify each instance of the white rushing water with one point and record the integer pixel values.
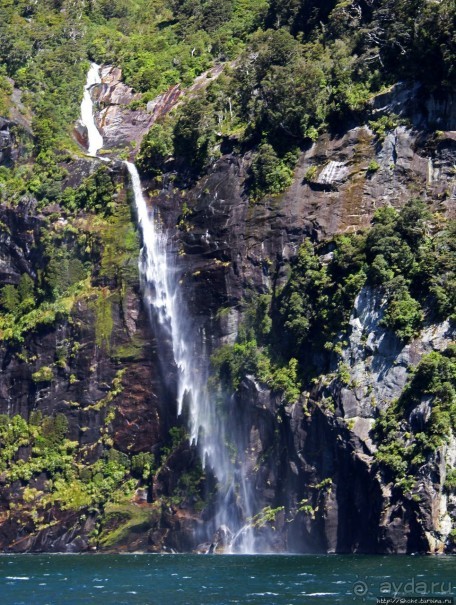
(87, 116)
(160, 282)
(162, 292)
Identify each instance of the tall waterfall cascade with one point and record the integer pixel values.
(160, 281)
(160, 278)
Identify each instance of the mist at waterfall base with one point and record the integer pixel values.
(184, 355)
(213, 580)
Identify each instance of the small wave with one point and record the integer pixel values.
(318, 594)
(17, 578)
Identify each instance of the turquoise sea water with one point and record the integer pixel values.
(219, 580)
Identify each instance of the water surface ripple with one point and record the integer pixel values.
(214, 580)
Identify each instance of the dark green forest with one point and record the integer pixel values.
(293, 70)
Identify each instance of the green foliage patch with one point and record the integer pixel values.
(312, 311)
(421, 420)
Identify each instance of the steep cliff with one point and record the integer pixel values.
(313, 462)
(308, 206)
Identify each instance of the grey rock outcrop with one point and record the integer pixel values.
(379, 363)
(123, 126)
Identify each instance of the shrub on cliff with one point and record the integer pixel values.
(269, 173)
(9, 298)
(44, 374)
(404, 315)
(18, 299)
(156, 147)
(194, 134)
(422, 419)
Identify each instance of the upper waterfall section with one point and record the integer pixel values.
(95, 140)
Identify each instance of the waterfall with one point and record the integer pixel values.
(164, 299)
(87, 117)
(162, 292)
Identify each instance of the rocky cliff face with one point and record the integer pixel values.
(87, 360)
(94, 362)
(121, 122)
(313, 464)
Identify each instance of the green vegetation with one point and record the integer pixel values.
(383, 125)
(299, 67)
(56, 471)
(160, 43)
(120, 519)
(450, 481)
(308, 66)
(5, 93)
(269, 173)
(103, 319)
(156, 147)
(119, 244)
(132, 351)
(234, 363)
(71, 483)
(267, 516)
(373, 166)
(45, 47)
(15, 326)
(18, 299)
(421, 420)
(413, 269)
(43, 50)
(95, 194)
(44, 374)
